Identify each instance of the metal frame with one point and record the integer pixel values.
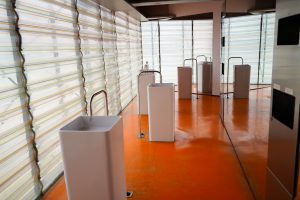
(193, 59)
(106, 101)
(142, 135)
(228, 61)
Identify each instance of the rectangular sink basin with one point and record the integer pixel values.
(93, 157)
(92, 124)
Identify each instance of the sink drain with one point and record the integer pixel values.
(129, 194)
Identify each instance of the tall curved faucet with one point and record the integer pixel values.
(193, 59)
(106, 101)
(241, 58)
(201, 56)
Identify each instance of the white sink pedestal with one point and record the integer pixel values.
(185, 82)
(161, 109)
(205, 77)
(93, 156)
(241, 85)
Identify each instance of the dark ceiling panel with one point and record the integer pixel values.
(265, 4)
(205, 16)
(153, 9)
(195, 17)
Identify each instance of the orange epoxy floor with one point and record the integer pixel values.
(200, 165)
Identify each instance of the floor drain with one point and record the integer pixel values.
(129, 194)
(142, 135)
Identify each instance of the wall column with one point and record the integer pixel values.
(216, 52)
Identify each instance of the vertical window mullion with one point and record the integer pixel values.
(50, 48)
(264, 48)
(124, 64)
(116, 60)
(26, 110)
(159, 45)
(102, 45)
(79, 52)
(260, 49)
(130, 63)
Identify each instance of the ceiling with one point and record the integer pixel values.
(185, 9)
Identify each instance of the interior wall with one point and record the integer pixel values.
(216, 79)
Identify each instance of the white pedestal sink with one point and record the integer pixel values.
(205, 77)
(241, 84)
(185, 82)
(161, 109)
(93, 156)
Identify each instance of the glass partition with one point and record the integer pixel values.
(246, 119)
(176, 41)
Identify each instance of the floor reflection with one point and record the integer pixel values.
(240, 114)
(247, 122)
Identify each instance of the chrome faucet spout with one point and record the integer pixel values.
(241, 58)
(106, 101)
(199, 56)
